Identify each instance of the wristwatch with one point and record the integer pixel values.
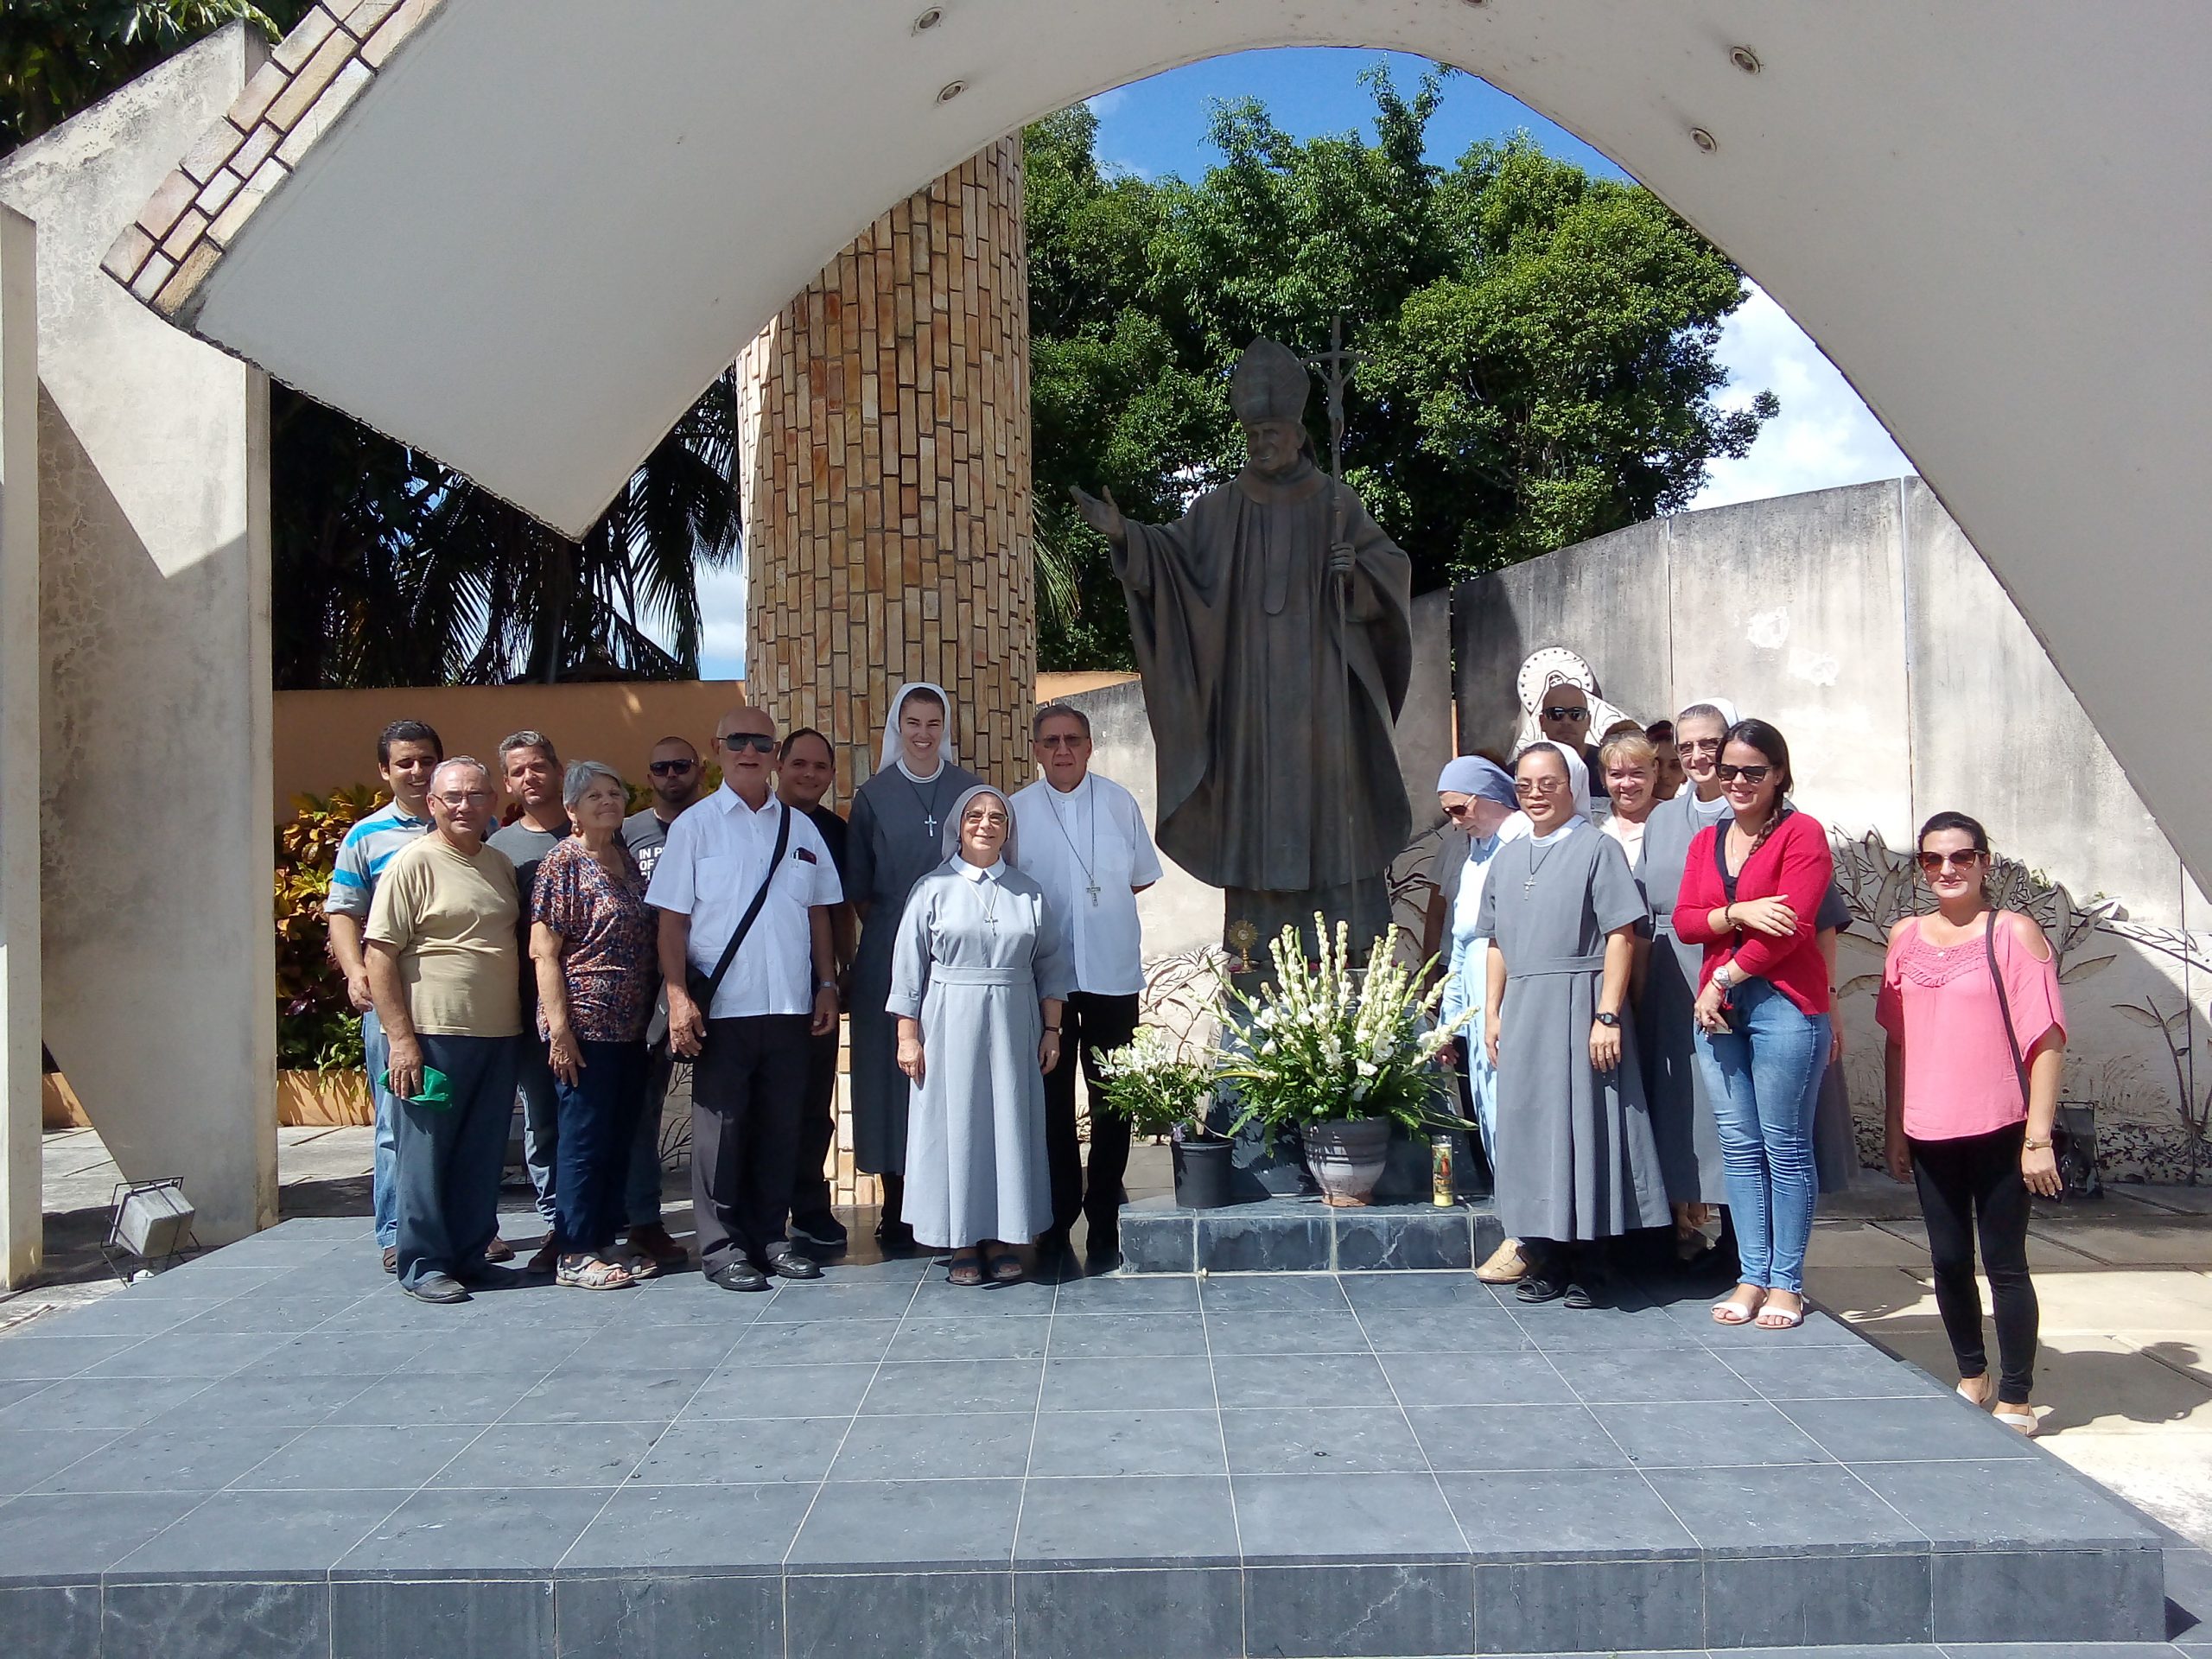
(1611, 1022)
(1724, 978)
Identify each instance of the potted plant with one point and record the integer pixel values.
(1161, 1087)
(1342, 1054)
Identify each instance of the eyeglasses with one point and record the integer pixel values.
(1752, 775)
(1554, 712)
(738, 742)
(1538, 785)
(1460, 811)
(1937, 863)
(461, 798)
(1060, 741)
(671, 768)
(1698, 746)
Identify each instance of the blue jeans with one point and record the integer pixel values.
(641, 1190)
(540, 1120)
(1764, 1080)
(599, 1122)
(376, 1054)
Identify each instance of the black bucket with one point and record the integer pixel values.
(1202, 1173)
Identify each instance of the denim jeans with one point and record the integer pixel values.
(599, 1121)
(641, 1188)
(376, 1054)
(1765, 1081)
(541, 1121)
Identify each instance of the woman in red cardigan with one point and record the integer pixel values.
(1751, 895)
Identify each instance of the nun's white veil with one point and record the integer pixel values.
(893, 747)
(951, 833)
(1578, 774)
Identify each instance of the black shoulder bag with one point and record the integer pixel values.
(2073, 1131)
(703, 987)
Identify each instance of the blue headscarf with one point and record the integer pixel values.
(1470, 774)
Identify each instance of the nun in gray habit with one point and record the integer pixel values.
(979, 971)
(1576, 1161)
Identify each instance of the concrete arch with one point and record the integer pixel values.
(1991, 214)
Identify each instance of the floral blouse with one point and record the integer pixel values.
(609, 943)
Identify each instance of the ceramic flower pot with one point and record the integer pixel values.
(1346, 1157)
(1202, 1172)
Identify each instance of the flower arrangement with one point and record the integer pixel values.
(1324, 1041)
(1158, 1085)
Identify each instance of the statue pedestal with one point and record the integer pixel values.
(1302, 1234)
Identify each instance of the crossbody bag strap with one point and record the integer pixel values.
(752, 910)
(2004, 1002)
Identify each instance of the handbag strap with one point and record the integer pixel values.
(752, 910)
(2004, 1002)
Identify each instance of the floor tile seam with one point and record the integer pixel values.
(851, 1420)
(1028, 1467)
(1221, 1432)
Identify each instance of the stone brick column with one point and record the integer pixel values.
(883, 452)
(884, 456)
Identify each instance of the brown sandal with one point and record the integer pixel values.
(968, 1273)
(1005, 1268)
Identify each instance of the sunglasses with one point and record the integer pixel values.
(671, 768)
(1752, 775)
(1058, 741)
(738, 742)
(1937, 863)
(1699, 745)
(1460, 810)
(1554, 712)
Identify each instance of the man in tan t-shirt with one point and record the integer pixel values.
(444, 972)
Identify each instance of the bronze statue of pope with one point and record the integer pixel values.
(1272, 625)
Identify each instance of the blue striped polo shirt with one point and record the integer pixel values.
(368, 847)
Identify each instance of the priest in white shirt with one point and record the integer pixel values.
(1084, 841)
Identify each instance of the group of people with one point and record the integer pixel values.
(568, 959)
(1645, 972)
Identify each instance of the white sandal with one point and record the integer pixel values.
(1729, 1311)
(2023, 1421)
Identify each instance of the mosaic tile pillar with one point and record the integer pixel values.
(883, 450)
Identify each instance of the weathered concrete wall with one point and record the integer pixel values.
(1862, 624)
(160, 998)
(20, 1231)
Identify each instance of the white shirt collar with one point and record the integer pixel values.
(733, 802)
(1082, 788)
(980, 872)
(918, 777)
(1560, 834)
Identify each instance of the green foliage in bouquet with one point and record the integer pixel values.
(1324, 1041)
(1158, 1085)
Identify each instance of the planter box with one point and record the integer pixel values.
(324, 1099)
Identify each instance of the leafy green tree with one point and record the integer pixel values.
(1539, 344)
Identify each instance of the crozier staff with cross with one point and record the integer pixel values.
(1272, 716)
(896, 837)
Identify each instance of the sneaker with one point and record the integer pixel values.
(739, 1275)
(1506, 1265)
(441, 1287)
(824, 1232)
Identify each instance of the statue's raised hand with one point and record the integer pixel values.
(1102, 516)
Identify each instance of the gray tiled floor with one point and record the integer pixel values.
(280, 1411)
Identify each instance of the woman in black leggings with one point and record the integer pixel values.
(1977, 1039)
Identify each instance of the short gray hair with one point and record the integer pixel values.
(527, 739)
(1056, 711)
(468, 760)
(579, 777)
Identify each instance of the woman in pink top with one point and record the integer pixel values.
(1971, 1103)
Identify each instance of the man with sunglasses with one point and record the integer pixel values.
(752, 1040)
(1563, 716)
(676, 778)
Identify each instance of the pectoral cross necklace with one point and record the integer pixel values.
(928, 806)
(1089, 866)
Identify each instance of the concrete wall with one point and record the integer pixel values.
(159, 990)
(1864, 624)
(327, 740)
(20, 1212)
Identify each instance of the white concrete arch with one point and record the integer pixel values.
(546, 224)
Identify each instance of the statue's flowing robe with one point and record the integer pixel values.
(1277, 768)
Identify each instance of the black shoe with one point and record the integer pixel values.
(1538, 1287)
(484, 1276)
(894, 1237)
(1054, 1242)
(788, 1263)
(438, 1287)
(824, 1232)
(739, 1275)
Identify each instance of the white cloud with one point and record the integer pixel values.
(1102, 105)
(1824, 436)
(722, 620)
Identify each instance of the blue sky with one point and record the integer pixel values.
(1824, 436)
